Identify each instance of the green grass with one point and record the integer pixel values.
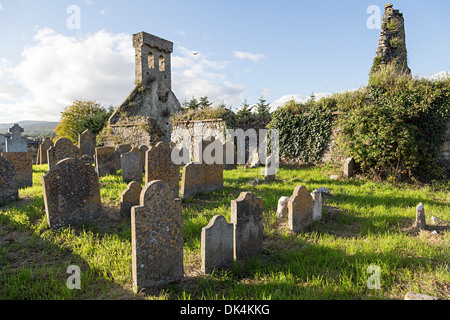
(328, 260)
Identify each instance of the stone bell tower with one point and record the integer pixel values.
(392, 42)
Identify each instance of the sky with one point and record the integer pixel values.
(56, 52)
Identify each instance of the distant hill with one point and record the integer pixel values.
(31, 128)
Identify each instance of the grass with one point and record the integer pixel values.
(328, 260)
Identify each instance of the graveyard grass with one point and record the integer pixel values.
(327, 260)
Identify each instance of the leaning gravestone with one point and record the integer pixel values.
(86, 143)
(156, 237)
(123, 148)
(8, 187)
(23, 164)
(71, 193)
(131, 165)
(129, 198)
(247, 218)
(300, 209)
(46, 144)
(217, 244)
(105, 161)
(16, 143)
(159, 166)
(62, 149)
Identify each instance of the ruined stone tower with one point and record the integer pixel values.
(143, 117)
(392, 43)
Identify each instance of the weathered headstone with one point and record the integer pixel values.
(349, 167)
(16, 143)
(159, 166)
(200, 177)
(269, 169)
(421, 222)
(247, 218)
(156, 237)
(317, 206)
(105, 161)
(143, 149)
(23, 164)
(282, 207)
(87, 143)
(71, 193)
(123, 148)
(129, 198)
(300, 209)
(8, 187)
(131, 165)
(62, 149)
(46, 144)
(217, 244)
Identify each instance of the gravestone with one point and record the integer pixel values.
(8, 187)
(217, 244)
(156, 237)
(86, 143)
(349, 167)
(143, 149)
(200, 177)
(123, 148)
(71, 193)
(105, 161)
(87, 159)
(38, 156)
(2, 143)
(129, 198)
(247, 218)
(159, 166)
(131, 165)
(269, 169)
(62, 149)
(23, 165)
(282, 207)
(16, 143)
(46, 144)
(300, 209)
(317, 206)
(421, 222)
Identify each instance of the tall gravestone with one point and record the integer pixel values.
(8, 187)
(247, 218)
(46, 144)
(16, 143)
(156, 237)
(121, 149)
(131, 165)
(159, 166)
(23, 165)
(217, 244)
(87, 143)
(105, 161)
(129, 198)
(71, 193)
(62, 149)
(300, 209)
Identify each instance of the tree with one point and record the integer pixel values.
(204, 102)
(262, 108)
(245, 111)
(192, 104)
(82, 115)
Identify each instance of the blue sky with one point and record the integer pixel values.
(247, 48)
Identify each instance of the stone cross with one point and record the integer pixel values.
(16, 143)
(156, 237)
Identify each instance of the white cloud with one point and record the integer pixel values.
(246, 55)
(296, 97)
(438, 76)
(1, 7)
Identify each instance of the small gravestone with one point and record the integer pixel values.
(156, 237)
(8, 187)
(200, 178)
(317, 206)
(143, 149)
(71, 193)
(62, 149)
(282, 207)
(300, 209)
(420, 217)
(217, 244)
(23, 165)
(269, 169)
(16, 143)
(349, 167)
(123, 148)
(46, 144)
(105, 161)
(129, 198)
(159, 166)
(253, 161)
(131, 165)
(247, 218)
(87, 143)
